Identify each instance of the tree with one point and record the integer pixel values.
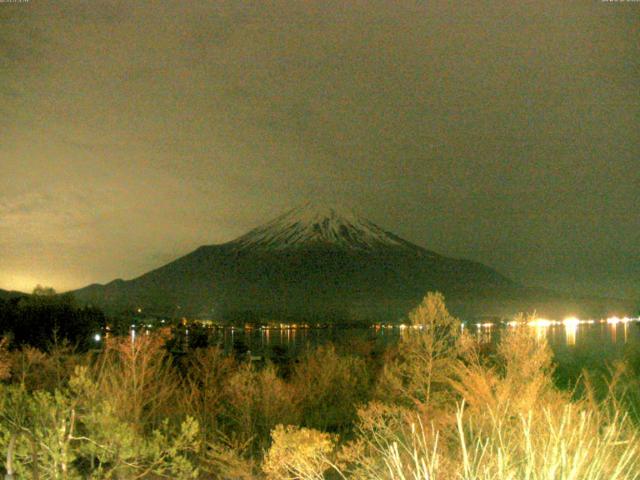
(419, 372)
(40, 291)
(138, 377)
(328, 387)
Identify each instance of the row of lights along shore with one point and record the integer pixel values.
(536, 322)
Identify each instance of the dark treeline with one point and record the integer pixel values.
(45, 318)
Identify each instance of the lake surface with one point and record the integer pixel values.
(576, 344)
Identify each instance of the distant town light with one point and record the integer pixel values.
(484, 325)
(97, 337)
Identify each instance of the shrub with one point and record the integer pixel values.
(299, 453)
(207, 371)
(255, 402)
(39, 370)
(517, 380)
(329, 388)
(139, 379)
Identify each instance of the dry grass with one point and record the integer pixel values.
(572, 445)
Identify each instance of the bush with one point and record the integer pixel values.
(299, 453)
(139, 379)
(517, 380)
(329, 388)
(255, 402)
(206, 372)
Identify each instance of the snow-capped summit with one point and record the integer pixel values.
(313, 224)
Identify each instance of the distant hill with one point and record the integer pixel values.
(321, 263)
(5, 294)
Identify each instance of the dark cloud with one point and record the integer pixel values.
(503, 132)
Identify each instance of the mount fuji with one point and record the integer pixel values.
(313, 263)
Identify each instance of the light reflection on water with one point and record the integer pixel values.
(571, 330)
(572, 342)
(593, 347)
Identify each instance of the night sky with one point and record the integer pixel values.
(505, 132)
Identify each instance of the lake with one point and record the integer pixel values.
(577, 344)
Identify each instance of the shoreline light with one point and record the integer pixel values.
(571, 321)
(542, 322)
(616, 320)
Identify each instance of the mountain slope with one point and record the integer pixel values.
(314, 263)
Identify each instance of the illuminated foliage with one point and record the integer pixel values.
(419, 372)
(298, 453)
(72, 433)
(517, 380)
(255, 402)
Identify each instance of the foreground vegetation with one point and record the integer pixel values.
(437, 406)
